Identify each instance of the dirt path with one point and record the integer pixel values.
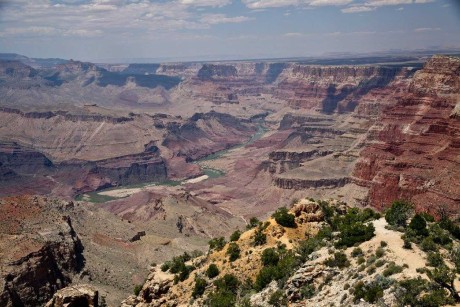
(413, 257)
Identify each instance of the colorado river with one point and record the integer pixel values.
(113, 193)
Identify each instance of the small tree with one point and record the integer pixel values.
(418, 224)
(217, 243)
(233, 252)
(200, 287)
(284, 218)
(398, 213)
(270, 257)
(259, 238)
(235, 236)
(253, 222)
(212, 271)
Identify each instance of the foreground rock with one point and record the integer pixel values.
(39, 250)
(75, 296)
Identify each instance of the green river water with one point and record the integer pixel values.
(95, 197)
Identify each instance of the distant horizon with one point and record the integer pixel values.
(94, 30)
(229, 58)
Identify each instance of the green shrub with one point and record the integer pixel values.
(407, 244)
(392, 269)
(137, 289)
(185, 272)
(307, 291)
(306, 247)
(270, 257)
(380, 252)
(338, 260)
(418, 224)
(398, 213)
(355, 233)
(284, 218)
(165, 266)
(217, 243)
(361, 260)
(266, 275)
(228, 282)
(233, 252)
(200, 287)
(434, 259)
(221, 298)
(212, 271)
(235, 236)
(372, 291)
(428, 245)
(379, 263)
(278, 299)
(428, 217)
(357, 251)
(253, 223)
(439, 235)
(260, 238)
(383, 244)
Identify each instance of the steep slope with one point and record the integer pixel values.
(412, 152)
(335, 255)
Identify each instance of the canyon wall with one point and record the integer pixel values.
(412, 151)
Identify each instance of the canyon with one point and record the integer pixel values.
(146, 161)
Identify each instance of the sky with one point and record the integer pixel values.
(110, 30)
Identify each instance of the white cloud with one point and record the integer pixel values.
(293, 34)
(330, 2)
(388, 2)
(213, 3)
(357, 9)
(427, 29)
(213, 19)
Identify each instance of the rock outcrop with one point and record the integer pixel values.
(36, 261)
(75, 296)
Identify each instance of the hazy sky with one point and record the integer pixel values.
(114, 29)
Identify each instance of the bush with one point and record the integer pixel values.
(137, 289)
(418, 224)
(266, 275)
(360, 260)
(428, 217)
(372, 291)
(357, 251)
(434, 259)
(379, 263)
(200, 287)
(307, 291)
(235, 236)
(284, 218)
(355, 233)
(383, 244)
(339, 260)
(428, 245)
(253, 223)
(407, 244)
(221, 298)
(307, 247)
(380, 252)
(233, 252)
(270, 257)
(259, 238)
(278, 299)
(398, 213)
(212, 271)
(228, 283)
(392, 269)
(217, 243)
